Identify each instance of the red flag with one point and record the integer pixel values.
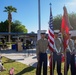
(65, 27)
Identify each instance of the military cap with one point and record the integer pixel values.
(56, 32)
(43, 31)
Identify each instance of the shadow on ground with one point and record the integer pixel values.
(25, 70)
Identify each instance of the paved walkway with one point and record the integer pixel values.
(27, 57)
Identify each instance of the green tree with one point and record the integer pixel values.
(9, 10)
(4, 26)
(32, 32)
(72, 18)
(16, 26)
(58, 19)
(57, 22)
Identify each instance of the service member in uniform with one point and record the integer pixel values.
(75, 56)
(41, 48)
(70, 56)
(57, 54)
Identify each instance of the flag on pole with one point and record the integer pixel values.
(51, 32)
(65, 27)
(51, 40)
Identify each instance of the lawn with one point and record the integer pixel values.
(20, 69)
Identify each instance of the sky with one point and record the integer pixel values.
(27, 11)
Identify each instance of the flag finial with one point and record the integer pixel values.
(50, 4)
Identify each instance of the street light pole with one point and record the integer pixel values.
(39, 21)
(39, 15)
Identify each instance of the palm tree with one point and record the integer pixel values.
(9, 10)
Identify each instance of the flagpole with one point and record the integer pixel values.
(65, 64)
(52, 63)
(51, 55)
(65, 27)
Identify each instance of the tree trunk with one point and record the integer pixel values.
(9, 26)
(9, 30)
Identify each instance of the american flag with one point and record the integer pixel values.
(51, 32)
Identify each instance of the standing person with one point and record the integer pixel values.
(41, 48)
(70, 56)
(75, 56)
(3, 43)
(57, 54)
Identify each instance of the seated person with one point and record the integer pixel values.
(1, 66)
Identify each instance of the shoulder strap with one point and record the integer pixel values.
(69, 47)
(58, 51)
(72, 41)
(59, 40)
(55, 47)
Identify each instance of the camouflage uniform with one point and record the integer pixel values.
(41, 48)
(70, 56)
(57, 55)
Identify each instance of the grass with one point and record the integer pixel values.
(21, 69)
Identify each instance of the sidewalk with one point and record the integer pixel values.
(27, 57)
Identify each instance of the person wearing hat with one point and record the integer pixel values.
(57, 54)
(41, 47)
(70, 55)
